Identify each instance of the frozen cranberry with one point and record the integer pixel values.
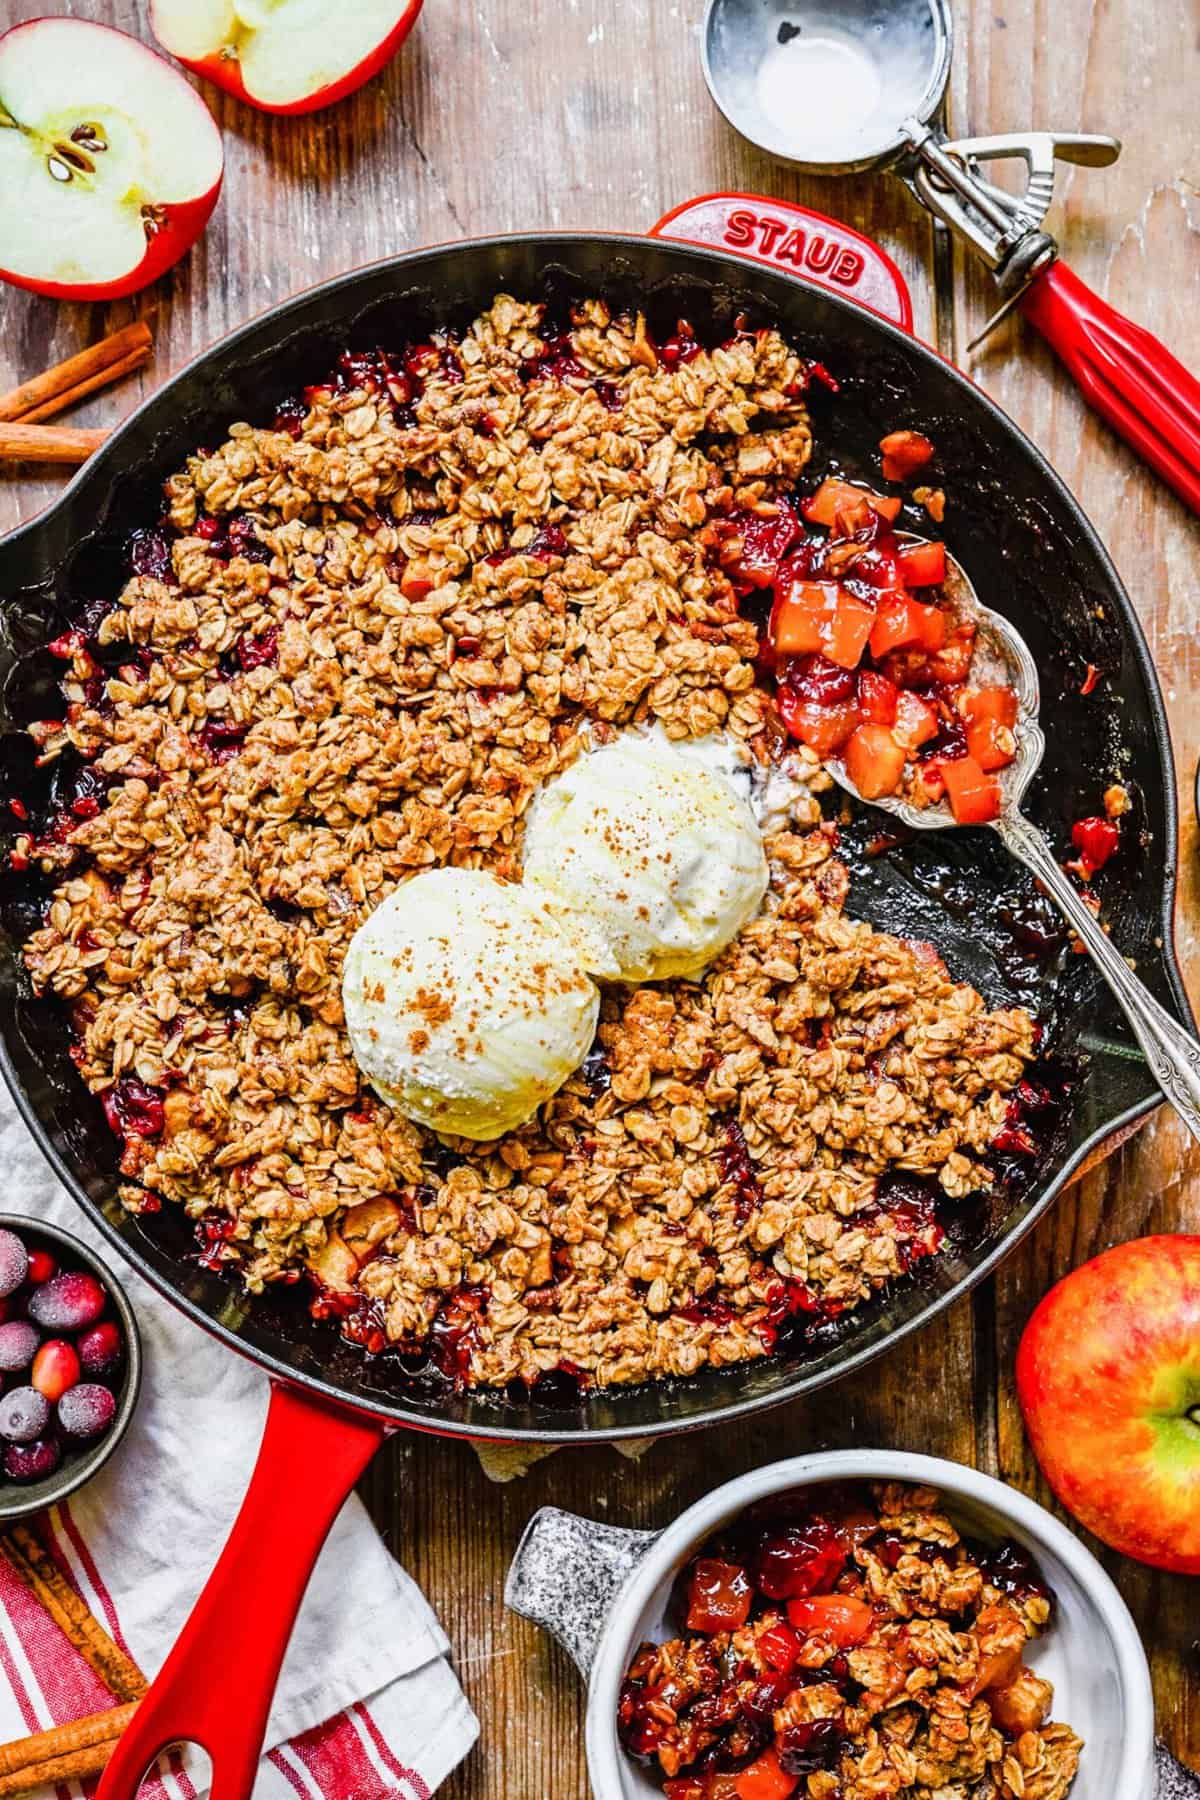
(101, 1348)
(14, 1262)
(18, 1344)
(805, 1558)
(55, 1368)
(69, 1302)
(41, 1266)
(24, 1415)
(85, 1411)
(32, 1462)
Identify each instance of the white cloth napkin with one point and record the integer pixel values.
(367, 1705)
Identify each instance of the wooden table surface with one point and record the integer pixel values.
(510, 114)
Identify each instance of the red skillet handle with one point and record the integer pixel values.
(215, 1688)
(1143, 391)
(799, 242)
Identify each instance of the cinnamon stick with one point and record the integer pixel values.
(105, 378)
(43, 395)
(48, 443)
(34, 1565)
(65, 1753)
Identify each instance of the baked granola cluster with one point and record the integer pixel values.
(848, 1645)
(354, 647)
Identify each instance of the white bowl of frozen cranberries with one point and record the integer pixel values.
(70, 1364)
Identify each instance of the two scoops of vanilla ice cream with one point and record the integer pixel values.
(470, 1000)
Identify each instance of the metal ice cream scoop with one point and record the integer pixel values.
(836, 87)
(1001, 654)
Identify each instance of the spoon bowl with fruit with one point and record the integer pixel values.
(1003, 746)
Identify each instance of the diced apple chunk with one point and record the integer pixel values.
(335, 1263)
(1020, 1705)
(368, 1223)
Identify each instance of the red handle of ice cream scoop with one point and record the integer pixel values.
(797, 241)
(1131, 379)
(215, 1688)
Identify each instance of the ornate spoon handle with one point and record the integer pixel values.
(1172, 1053)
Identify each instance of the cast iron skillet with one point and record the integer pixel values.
(1032, 555)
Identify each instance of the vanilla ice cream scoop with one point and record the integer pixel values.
(466, 1003)
(649, 855)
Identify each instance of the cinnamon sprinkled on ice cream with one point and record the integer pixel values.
(649, 855)
(465, 1002)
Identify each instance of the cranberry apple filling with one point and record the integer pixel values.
(870, 661)
(360, 641)
(844, 1643)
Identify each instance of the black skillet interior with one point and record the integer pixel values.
(1032, 556)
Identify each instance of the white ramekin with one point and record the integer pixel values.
(601, 1591)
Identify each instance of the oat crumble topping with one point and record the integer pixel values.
(355, 648)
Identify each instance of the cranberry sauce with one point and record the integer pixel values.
(1009, 1567)
(737, 1166)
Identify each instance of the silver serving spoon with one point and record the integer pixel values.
(1001, 654)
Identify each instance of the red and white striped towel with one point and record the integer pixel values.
(368, 1707)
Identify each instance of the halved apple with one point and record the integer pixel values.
(110, 164)
(285, 56)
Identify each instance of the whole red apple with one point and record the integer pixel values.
(110, 164)
(1108, 1375)
(284, 56)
